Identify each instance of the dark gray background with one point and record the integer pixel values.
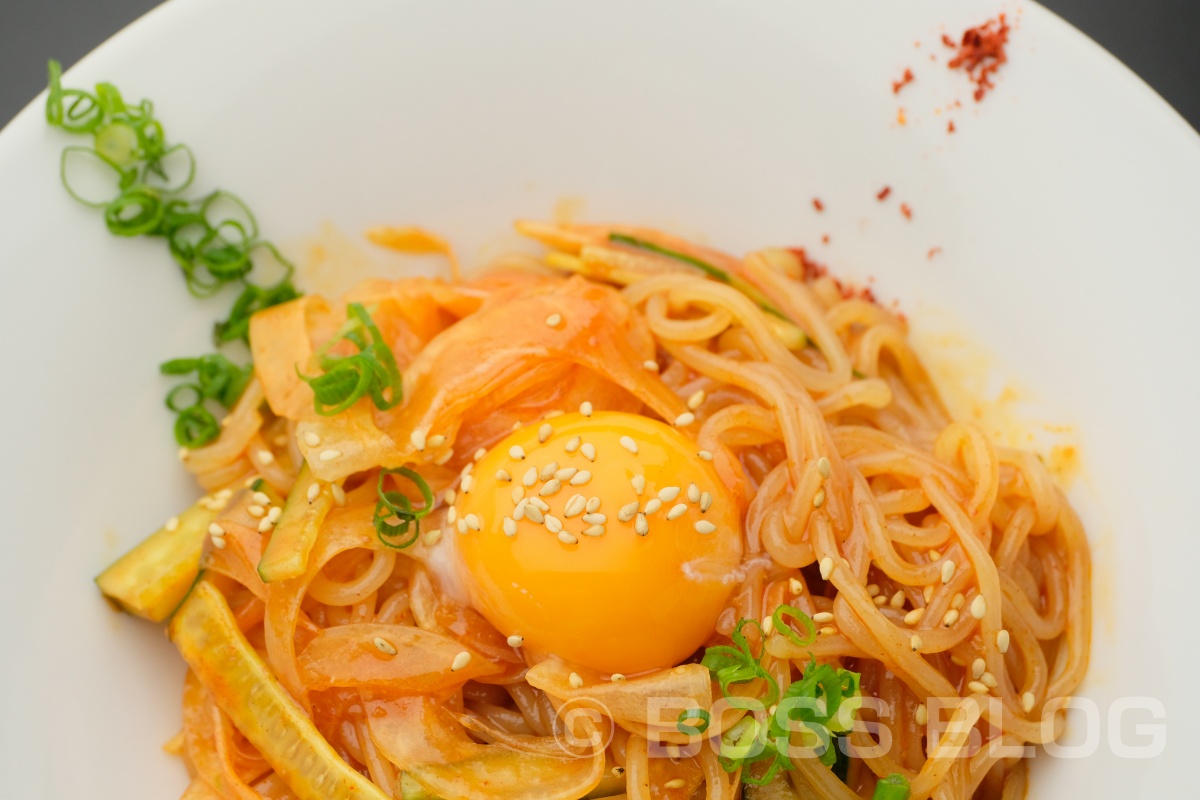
(1158, 39)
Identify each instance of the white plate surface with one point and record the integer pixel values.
(1067, 207)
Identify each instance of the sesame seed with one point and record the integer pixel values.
(547, 472)
(958, 600)
(566, 473)
(218, 542)
(826, 568)
(675, 783)
(468, 483)
(978, 667)
(312, 439)
(172, 524)
(819, 498)
(265, 525)
(384, 646)
(572, 444)
(473, 522)
(795, 586)
(566, 537)
(828, 630)
(216, 530)
(545, 432)
(927, 593)
(881, 601)
(539, 503)
(977, 688)
(1002, 641)
(922, 715)
(705, 455)
(516, 427)
(595, 519)
(668, 493)
(517, 453)
(575, 680)
(519, 511)
(768, 625)
(979, 607)
(256, 511)
(705, 502)
(585, 408)
(510, 526)
(417, 437)
(444, 457)
(948, 568)
(652, 505)
(531, 477)
(534, 513)
(460, 661)
(639, 484)
(695, 400)
(873, 589)
(517, 494)
(824, 467)
(452, 515)
(314, 489)
(462, 526)
(436, 440)
(516, 640)
(897, 600)
(265, 456)
(594, 530)
(224, 495)
(581, 478)
(553, 523)
(677, 511)
(628, 511)
(261, 498)
(989, 680)
(330, 454)
(593, 505)
(274, 514)
(554, 320)
(640, 526)
(574, 506)
(821, 617)
(503, 476)
(550, 487)
(685, 419)
(704, 526)
(934, 555)
(915, 643)
(182, 453)
(914, 616)
(651, 365)
(478, 454)
(617, 677)
(950, 618)
(1027, 702)
(589, 451)
(629, 444)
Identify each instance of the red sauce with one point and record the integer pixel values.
(933, 251)
(817, 204)
(950, 128)
(981, 53)
(883, 193)
(825, 239)
(813, 270)
(906, 211)
(904, 81)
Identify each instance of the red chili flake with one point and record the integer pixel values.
(950, 127)
(817, 204)
(906, 211)
(981, 53)
(825, 239)
(883, 193)
(933, 251)
(946, 40)
(905, 81)
(812, 269)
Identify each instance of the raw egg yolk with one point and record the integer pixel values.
(607, 540)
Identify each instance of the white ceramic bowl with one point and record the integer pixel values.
(1067, 207)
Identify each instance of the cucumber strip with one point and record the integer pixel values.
(286, 555)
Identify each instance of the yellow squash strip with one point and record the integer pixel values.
(151, 580)
(207, 636)
(287, 553)
(199, 790)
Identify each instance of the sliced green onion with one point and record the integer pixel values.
(893, 787)
(683, 726)
(347, 379)
(218, 380)
(394, 505)
(783, 628)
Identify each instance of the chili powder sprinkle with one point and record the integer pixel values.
(981, 53)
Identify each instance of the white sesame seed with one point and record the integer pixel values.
(547, 472)
(693, 493)
(594, 530)
(503, 476)
(437, 440)
(629, 444)
(516, 640)
(617, 677)
(914, 616)
(572, 444)
(873, 589)
(628, 511)
(585, 408)
(958, 600)
(639, 484)
(948, 568)
(819, 498)
(417, 437)
(922, 715)
(581, 478)
(589, 451)
(821, 617)
(531, 476)
(575, 680)
(517, 494)
(216, 530)
(705, 455)
(444, 457)
(566, 473)
(330, 454)
(462, 526)
(704, 526)
(950, 618)
(516, 427)
(824, 467)
(218, 542)
(915, 643)
(595, 519)
(574, 506)
(677, 511)
(545, 432)
(509, 526)
(828, 630)
(519, 511)
(265, 456)
(640, 526)
(314, 489)
(668, 493)
(685, 419)
(224, 495)
(979, 607)
(256, 511)
(881, 601)
(534, 513)
(650, 365)
(826, 568)
(593, 505)
(384, 646)
(312, 439)
(897, 600)
(274, 513)
(652, 505)
(467, 484)
(696, 400)
(550, 487)
(460, 661)
(261, 498)
(705, 502)
(554, 320)
(553, 523)
(989, 680)
(927, 593)
(1027, 702)
(977, 688)
(978, 667)
(566, 537)
(675, 783)
(795, 586)
(172, 524)
(452, 515)
(473, 522)
(934, 555)
(265, 525)
(478, 454)
(1002, 641)
(539, 503)
(517, 453)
